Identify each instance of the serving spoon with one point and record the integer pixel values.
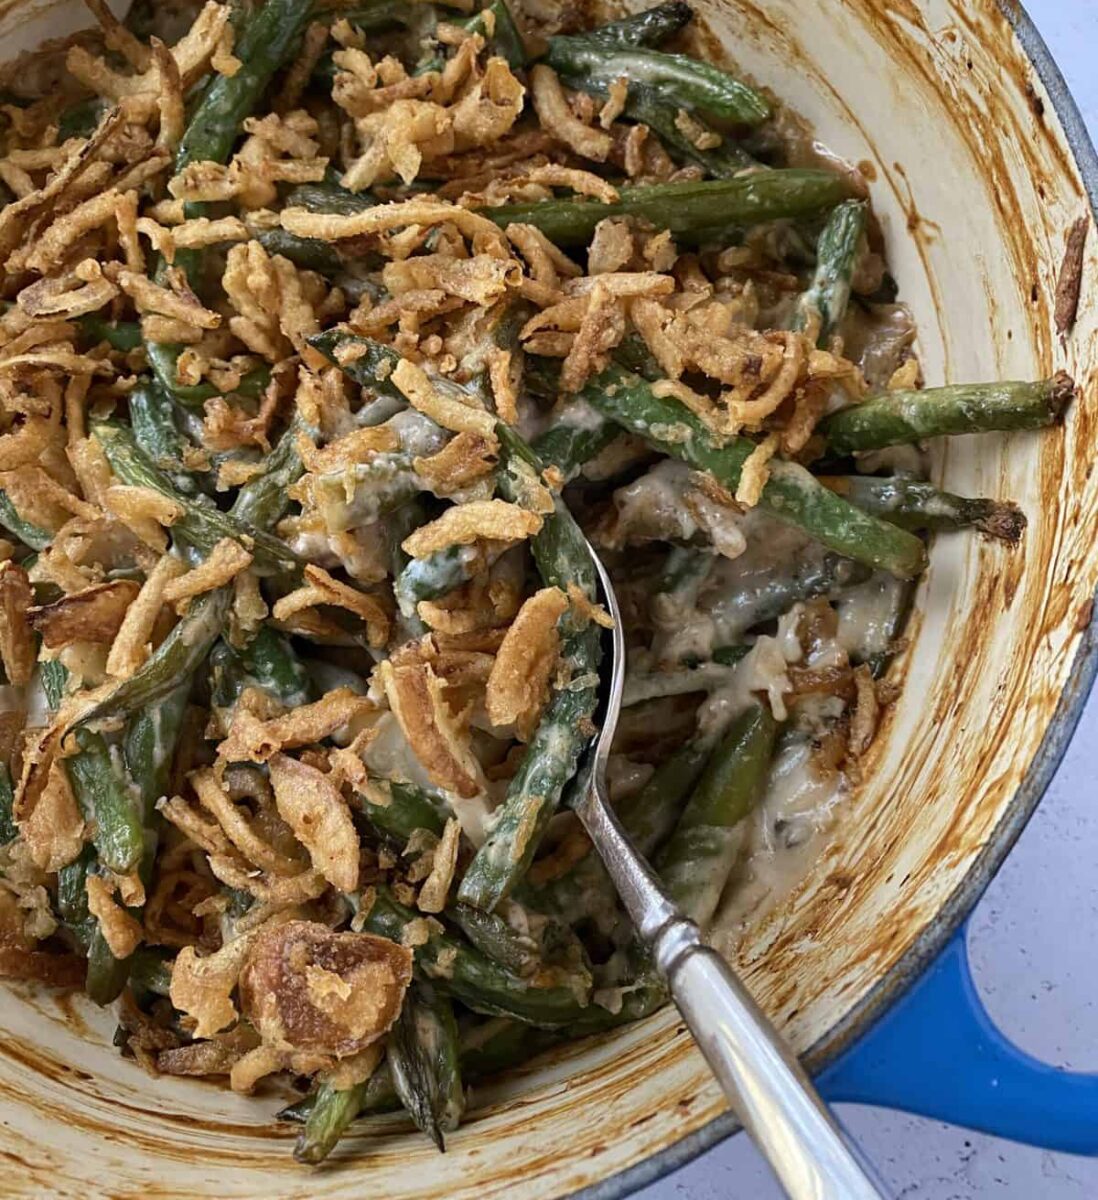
(769, 1092)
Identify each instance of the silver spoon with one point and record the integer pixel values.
(761, 1077)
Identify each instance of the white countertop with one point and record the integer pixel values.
(1034, 940)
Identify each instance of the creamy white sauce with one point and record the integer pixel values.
(390, 756)
(654, 506)
(909, 459)
(624, 777)
(783, 838)
(579, 414)
(418, 434)
(313, 546)
(764, 669)
(867, 615)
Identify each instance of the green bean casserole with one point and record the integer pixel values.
(327, 333)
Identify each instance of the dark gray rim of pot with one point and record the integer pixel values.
(1057, 738)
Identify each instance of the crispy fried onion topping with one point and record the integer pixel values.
(518, 686)
(251, 739)
(322, 589)
(44, 807)
(121, 931)
(415, 695)
(93, 614)
(463, 524)
(316, 997)
(202, 987)
(314, 808)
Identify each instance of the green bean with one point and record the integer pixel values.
(201, 524)
(434, 576)
(697, 860)
(497, 939)
(271, 663)
(268, 662)
(310, 253)
(109, 802)
(371, 365)
(880, 608)
(81, 119)
(155, 431)
(409, 808)
(541, 379)
(338, 1110)
(577, 434)
(504, 37)
(675, 80)
(106, 975)
(725, 160)
(730, 655)
(719, 156)
(562, 557)
(691, 211)
(403, 521)
(423, 1056)
(918, 505)
(8, 827)
(463, 973)
(585, 891)
(263, 43)
(121, 818)
(148, 746)
(791, 493)
(72, 897)
(329, 197)
(898, 418)
(641, 996)
(499, 1043)
(119, 335)
(26, 531)
(259, 503)
(823, 305)
(487, 1048)
(559, 548)
(331, 1112)
(536, 947)
(54, 678)
(633, 354)
(381, 15)
(762, 597)
(648, 28)
(681, 681)
(164, 358)
(265, 38)
(649, 815)
(176, 658)
(263, 500)
(150, 972)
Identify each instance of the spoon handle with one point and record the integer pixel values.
(765, 1084)
(769, 1092)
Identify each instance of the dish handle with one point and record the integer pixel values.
(937, 1053)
